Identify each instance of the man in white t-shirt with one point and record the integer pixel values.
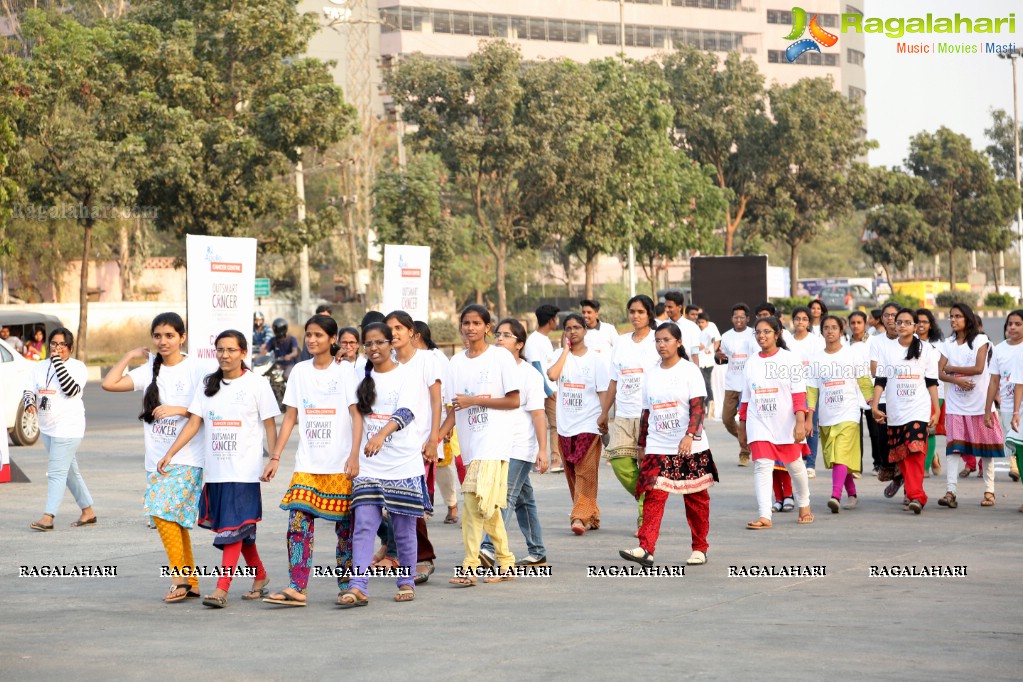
(710, 341)
(674, 305)
(735, 347)
(600, 336)
(539, 352)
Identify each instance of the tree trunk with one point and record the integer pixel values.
(888, 276)
(591, 268)
(994, 272)
(951, 269)
(793, 268)
(501, 261)
(479, 296)
(83, 292)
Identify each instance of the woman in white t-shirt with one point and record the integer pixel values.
(529, 431)
(773, 419)
(483, 389)
(170, 380)
(387, 470)
(963, 366)
(907, 371)
(837, 382)
(582, 376)
(1004, 360)
(320, 400)
(56, 397)
(806, 345)
(927, 330)
(676, 455)
(232, 412)
(348, 351)
(445, 473)
(633, 355)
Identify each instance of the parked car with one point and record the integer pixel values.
(847, 297)
(16, 377)
(24, 324)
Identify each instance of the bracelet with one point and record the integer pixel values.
(275, 459)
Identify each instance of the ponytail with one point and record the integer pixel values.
(915, 348)
(214, 380)
(151, 398)
(366, 393)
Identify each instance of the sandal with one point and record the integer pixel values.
(578, 527)
(35, 525)
(892, 488)
(760, 524)
(965, 473)
(463, 581)
(257, 592)
(387, 562)
(349, 599)
(507, 574)
(423, 576)
(173, 598)
(988, 501)
(452, 516)
(788, 504)
(405, 593)
(949, 500)
(806, 518)
(776, 506)
(214, 602)
(283, 598)
(639, 555)
(87, 522)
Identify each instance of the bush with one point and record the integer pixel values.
(785, 305)
(444, 331)
(1005, 301)
(947, 299)
(905, 301)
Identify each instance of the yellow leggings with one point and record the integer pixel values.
(178, 546)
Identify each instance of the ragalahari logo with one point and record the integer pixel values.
(817, 36)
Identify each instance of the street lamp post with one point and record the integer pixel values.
(1012, 57)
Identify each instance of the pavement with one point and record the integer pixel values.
(703, 625)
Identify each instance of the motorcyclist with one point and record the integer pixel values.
(260, 331)
(284, 346)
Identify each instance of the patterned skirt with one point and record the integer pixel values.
(328, 496)
(968, 436)
(402, 496)
(677, 474)
(905, 439)
(231, 510)
(174, 497)
(624, 438)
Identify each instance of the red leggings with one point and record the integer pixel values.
(230, 559)
(782, 485)
(697, 514)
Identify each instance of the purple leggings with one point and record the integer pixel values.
(840, 475)
(367, 521)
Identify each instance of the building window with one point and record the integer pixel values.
(857, 95)
(499, 26)
(830, 60)
(461, 23)
(556, 30)
(481, 25)
(537, 29)
(574, 32)
(520, 27)
(854, 57)
(441, 21)
(779, 16)
(607, 34)
(774, 56)
(806, 59)
(730, 5)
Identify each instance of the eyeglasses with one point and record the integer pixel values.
(228, 351)
(888, 316)
(904, 323)
(375, 344)
(763, 332)
(58, 344)
(505, 335)
(348, 343)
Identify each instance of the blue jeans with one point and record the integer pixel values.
(811, 459)
(61, 470)
(522, 504)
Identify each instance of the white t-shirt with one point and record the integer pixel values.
(578, 404)
(177, 385)
(603, 338)
(234, 430)
(738, 346)
(667, 394)
(958, 400)
(707, 338)
(1003, 360)
(690, 336)
(877, 351)
(770, 384)
(62, 417)
(531, 396)
(401, 455)
(539, 348)
(806, 349)
(484, 433)
(909, 399)
(429, 371)
(322, 398)
(629, 363)
(835, 375)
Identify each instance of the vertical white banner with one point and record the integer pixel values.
(407, 280)
(221, 283)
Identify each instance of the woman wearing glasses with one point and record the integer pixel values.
(963, 366)
(348, 343)
(773, 419)
(58, 384)
(582, 377)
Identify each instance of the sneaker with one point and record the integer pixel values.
(852, 502)
(788, 504)
(810, 473)
(776, 506)
(915, 506)
(833, 505)
(696, 559)
(531, 560)
(487, 558)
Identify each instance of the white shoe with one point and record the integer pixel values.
(696, 559)
(810, 473)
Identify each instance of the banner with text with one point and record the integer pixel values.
(407, 280)
(221, 281)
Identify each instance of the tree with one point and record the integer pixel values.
(8, 186)
(962, 202)
(811, 149)
(470, 116)
(1002, 149)
(895, 228)
(720, 120)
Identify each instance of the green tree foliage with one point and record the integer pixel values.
(1002, 149)
(721, 122)
(812, 146)
(895, 228)
(963, 203)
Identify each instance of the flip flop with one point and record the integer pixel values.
(284, 599)
(639, 555)
(189, 593)
(463, 581)
(500, 577)
(805, 519)
(41, 526)
(254, 594)
(214, 602)
(358, 599)
(87, 522)
(405, 593)
(759, 525)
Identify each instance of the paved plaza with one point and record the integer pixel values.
(704, 625)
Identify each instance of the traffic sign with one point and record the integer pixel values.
(262, 287)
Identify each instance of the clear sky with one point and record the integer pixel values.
(909, 93)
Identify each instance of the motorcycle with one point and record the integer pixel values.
(266, 365)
